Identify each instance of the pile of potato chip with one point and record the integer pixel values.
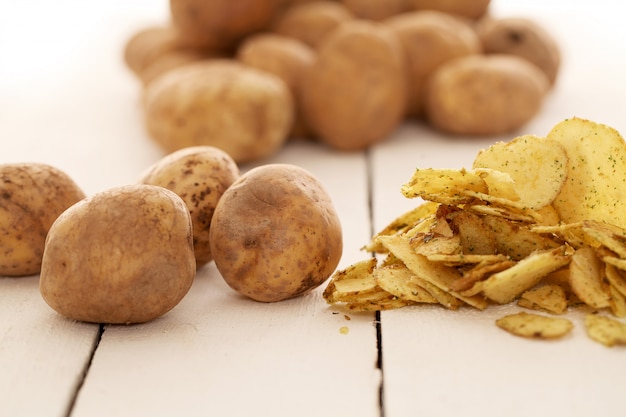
(538, 221)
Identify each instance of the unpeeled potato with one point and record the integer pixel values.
(275, 233)
(286, 58)
(124, 255)
(429, 39)
(199, 175)
(222, 103)
(32, 196)
(484, 94)
(354, 94)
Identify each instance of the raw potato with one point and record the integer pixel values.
(275, 233)
(170, 60)
(472, 9)
(524, 38)
(148, 44)
(220, 24)
(286, 58)
(484, 94)
(376, 9)
(222, 103)
(199, 175)
(124, 255)
(32, 196)
(430, 38)
(354, 95)
(311, 22)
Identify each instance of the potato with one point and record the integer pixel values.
(311, 22)
(354, 94)
(222, 103)
(473, 9)
(286, 58)
(170, 60)
(524, 38)
(220, 24)
(124, 255)
(32, 196)
(199, 175)
(149, 43)
(376, 9)
(275, 233)
(430, 38)
(484, 94)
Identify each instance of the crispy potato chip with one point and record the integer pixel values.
(538, 167)
(516, 240)
(402, 223)
(548, 215)
(476, 237)
(617, 302)
(611, 237)
(463, 259)
(586, 275)
(505, 213)
(504, 287)
(499, 184)
(535, 326)
(572, 233)
(616, 278)
(550, 298)
(441, 184)
(358, 271)
(597, 155)
(396, 280)
(481, 271)
(605, 330)
(436, 245)
(388, 302)
(442, 297)
(439, 275)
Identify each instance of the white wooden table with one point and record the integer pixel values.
(66, 99)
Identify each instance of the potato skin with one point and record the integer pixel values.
(124, 255)
(472, 9)
(199, 175)
(429, 39)
(220, 24)
(275, 233)
(484, 94)
(311, 22)
(243, 111)
(32, 196)
(524, 38)
(354, 94)
(286, 58)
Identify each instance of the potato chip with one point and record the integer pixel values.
(358, 271)
(616, 278)
(505, 213)
(396, 280)
(535, 326)
(443, 185)
(538, 167)
(611, 237)
(617, 302)
(388, 302)
(499, 184)
(605, 330)
(504, 287)
(444, 298)
(401, 224)
(436, 245)
(597, 156)
(517, 241)
(550, 298)
(476, 237)
(586, 275)
(439, 275)
(480, 271)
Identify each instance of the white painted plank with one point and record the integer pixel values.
(42, 355)
(220, 354)
(441, 363)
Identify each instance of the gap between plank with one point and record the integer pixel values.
(83, 376)
(377, 318)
